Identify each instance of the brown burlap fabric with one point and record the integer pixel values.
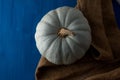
(102, 60)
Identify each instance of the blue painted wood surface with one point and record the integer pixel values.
(18, 19)
(116, 8)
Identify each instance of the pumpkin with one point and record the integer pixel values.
(63, 35)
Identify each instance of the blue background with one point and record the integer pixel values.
(116, 7)
(18, 19)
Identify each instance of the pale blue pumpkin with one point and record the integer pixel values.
(63, 35)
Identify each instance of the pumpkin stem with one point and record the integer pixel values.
(65, 32)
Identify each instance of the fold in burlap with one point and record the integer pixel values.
(102, 60)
